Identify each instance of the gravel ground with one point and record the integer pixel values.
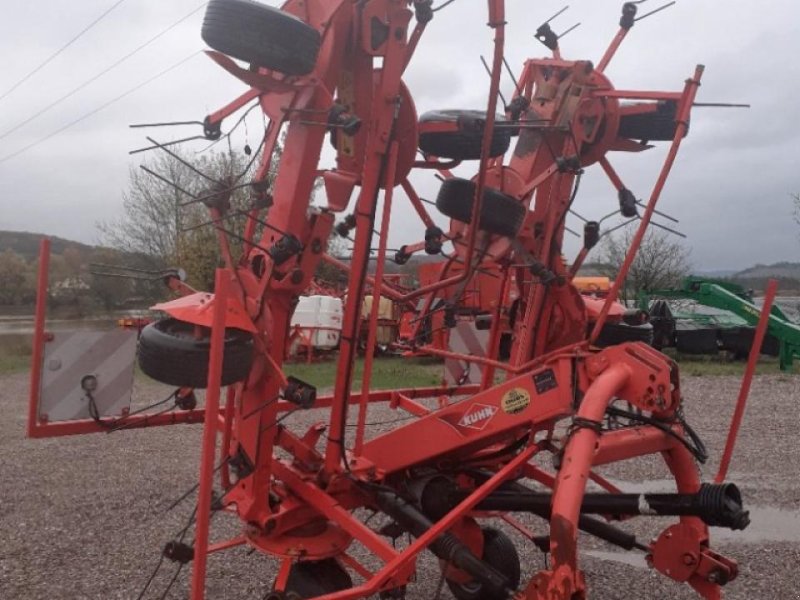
(85, 517)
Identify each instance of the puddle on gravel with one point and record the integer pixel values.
(651, 486)
(767, 524)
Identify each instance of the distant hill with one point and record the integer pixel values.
(74, 282)
(27, 244)
(787, 274)
(787, 270)
(715, 273)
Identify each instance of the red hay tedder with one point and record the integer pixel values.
(334, 68)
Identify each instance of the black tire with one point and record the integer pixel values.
(663, 325)
(694, 340)
(261, 35)
(169, 353)
(310, 579)
(658, 126)
(618, 333)
(500, 214)
(500, 553)
(464, 144)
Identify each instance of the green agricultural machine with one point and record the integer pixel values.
(729, 328)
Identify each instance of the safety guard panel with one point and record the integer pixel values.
(87, 374)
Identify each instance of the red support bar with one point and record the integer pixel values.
(224, 545)
(611, 173)
(687, 98)
(747, 380)
(38, 337)
(209, 435)
(638, 95)
(409, 554)
(612, 49)
(409, 405)
(140, 421)
(372, 331)
(384, 288)
(232, 107)
(389, 395)
(577, 462)
(616, 446)
(416, 202)
(497, 22)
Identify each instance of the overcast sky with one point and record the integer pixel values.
(730, 186)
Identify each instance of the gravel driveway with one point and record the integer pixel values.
(85, 517)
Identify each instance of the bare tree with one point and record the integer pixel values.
(662, 262)
(796, 211)
(162, 218)
(12, 277)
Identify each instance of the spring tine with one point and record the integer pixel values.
(511, 74)
(133, 269)
(611, 214)
(720, 105)
(659, 213)
(668, 229)
(573, 28)
(654, 11)
(172, 143)
(164, 124)
(489, 72)
(555, 15)
(167, 181)
(581, 217)
(620, 225)
(182, 161)
(235, 235)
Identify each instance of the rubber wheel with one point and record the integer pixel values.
(261, 35)
(170, 353)
(310, 579)
(464, 144)
(658, 126)
(663, 325)
(500, 214)
(500, 553)
(618, 333)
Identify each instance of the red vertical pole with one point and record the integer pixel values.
(682, 119)
(747, 380)
(612, 49)
(230, 399)
(372, 332)
(209, 435)
(38, 335)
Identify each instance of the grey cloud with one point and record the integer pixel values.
(730, 185)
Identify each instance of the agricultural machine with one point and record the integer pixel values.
(696, 333)
(332, 71)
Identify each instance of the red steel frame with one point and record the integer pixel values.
(552, 364)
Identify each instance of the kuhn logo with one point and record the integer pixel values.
(478, 416)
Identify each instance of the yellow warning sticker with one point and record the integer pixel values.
(515, 401)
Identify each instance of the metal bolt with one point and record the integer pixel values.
(688, 559)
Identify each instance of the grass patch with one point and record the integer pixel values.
(396, 372)
(701, 366)
(15, 353)
(387, 372)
